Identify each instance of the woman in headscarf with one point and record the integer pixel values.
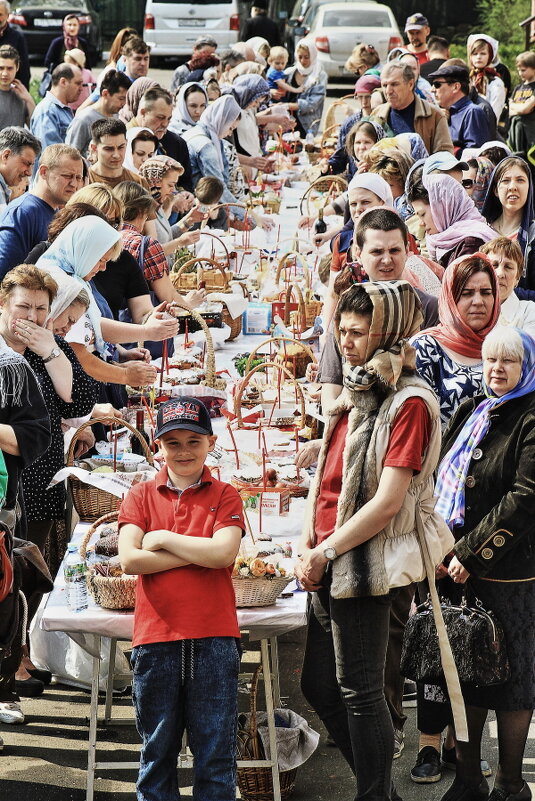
(485, 488)
(141, 144)
(479, 173)
(260, 46)
(374, 476)
(68, 41)
(205, 145)
(81, 250)
(191, 101)
(453, 225)
(133, 99)
(249, 91)
(509, 207)
(308, 73)
(448, 356)
(482, 54)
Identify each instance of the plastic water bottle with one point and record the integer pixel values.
(75, 584)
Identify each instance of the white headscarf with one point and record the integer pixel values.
(216, 119)
(373, 183)
(76, 250)
(312, 72)
(181, 119)
(131, 136)
(68, 291)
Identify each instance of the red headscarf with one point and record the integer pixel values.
(452, 331)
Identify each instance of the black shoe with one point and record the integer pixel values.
(427, 767)
(43, 675)
(499, 794)
(448, 760)
(461, 792)
(29, 688)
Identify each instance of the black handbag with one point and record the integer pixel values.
(476, 638)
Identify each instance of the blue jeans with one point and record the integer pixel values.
(191, 685)
(343, 680)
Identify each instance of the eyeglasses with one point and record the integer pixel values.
(468, 183)
(438, 84)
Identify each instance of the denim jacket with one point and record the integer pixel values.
(310, 102)
(204, 162)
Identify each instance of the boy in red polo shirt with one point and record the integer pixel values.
(180, 533)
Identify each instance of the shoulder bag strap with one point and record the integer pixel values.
(448, 663)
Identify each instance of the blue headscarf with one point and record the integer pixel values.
(248, 88)
(453, 469)
(76, 251)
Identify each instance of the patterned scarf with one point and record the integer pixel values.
(397, 315)
(453, 469)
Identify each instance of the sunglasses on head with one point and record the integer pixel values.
(468, 183)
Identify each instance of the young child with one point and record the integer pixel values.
(276, 78)
(207, 196)
(180, 534)
(522, 105)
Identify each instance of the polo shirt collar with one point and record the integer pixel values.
(163, 477)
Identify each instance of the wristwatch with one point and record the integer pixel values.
(54, 353)
(330, 553)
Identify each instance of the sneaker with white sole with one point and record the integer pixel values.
(10, 712)
(399, 745)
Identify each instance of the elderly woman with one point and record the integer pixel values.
(453, 225)
(509, 207)
(205, 145)
(485, 490)
(308, 73)
(385, 426)
(448, 356)
(507, 259)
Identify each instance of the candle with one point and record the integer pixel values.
(297, 448)
(114, 437)
(235, 447)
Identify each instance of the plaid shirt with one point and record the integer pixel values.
(154, 261)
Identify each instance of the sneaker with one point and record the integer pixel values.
(499, 794)
(461, 792)
(399, 744)
(409, 694)
(10, 712)
(427, 767)
(449, 760)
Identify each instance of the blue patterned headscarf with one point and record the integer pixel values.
(248, 88)
(453, 469)
(76, 251)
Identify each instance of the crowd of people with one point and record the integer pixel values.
(427, 374)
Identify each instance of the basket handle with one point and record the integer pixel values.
(252, 722)
(221, 242)
(278, 339)
(199, 261)
(245, 381)
(91, 530)
(300, 302)
(108, 421)
(209, 381)
(298, 257)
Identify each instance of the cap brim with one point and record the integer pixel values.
(183, 427)
(415, 28)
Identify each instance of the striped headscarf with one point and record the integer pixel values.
(397, 315)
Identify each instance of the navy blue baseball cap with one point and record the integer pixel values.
(186, 413)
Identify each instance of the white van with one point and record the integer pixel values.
(172, 28)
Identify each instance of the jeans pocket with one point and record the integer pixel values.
(134, 657)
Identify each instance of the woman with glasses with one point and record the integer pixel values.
(510, 209)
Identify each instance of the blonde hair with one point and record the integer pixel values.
(503, 342)
(392, 163)
(362, 55)
(28, 276)
(277, 51)
(245, 68)
(101, 197)
(53, 154)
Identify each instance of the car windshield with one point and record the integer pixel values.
(56, 5)
(355, 18)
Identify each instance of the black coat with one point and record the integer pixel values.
(12, 36)
(497, 540)
(56, 53)
(263, 26)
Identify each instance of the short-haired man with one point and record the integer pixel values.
(25, 221)
(404, 111)
(155, 112)
(108, 146)
(467, 121)
(112, 98)
(53, 115)
(16, 103)
(204, 45)
(136, 54)
(18, 151)
(417, 30)
(14, 37)
(438, 50)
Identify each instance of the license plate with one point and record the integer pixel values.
(191, 23)
(47, 23)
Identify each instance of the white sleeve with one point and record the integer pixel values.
(82, 332)
(496, 94)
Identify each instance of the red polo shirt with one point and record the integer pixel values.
(192, 601)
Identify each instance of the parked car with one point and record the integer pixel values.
(293, 29)
(172, 28)
(42, 20)
(337, 27)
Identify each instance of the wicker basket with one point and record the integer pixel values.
(286, 374)
(256, 784)
(325, 183)
(308, 308)
(296, 362)
(234, 323)
(204, 232)
(110, 592)
(214, 275)
(91, 502)
(258, 591)
(285, 264)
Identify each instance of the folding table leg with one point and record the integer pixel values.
(109, 681)
(268, 689)
(93, 713)
(274, 650)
